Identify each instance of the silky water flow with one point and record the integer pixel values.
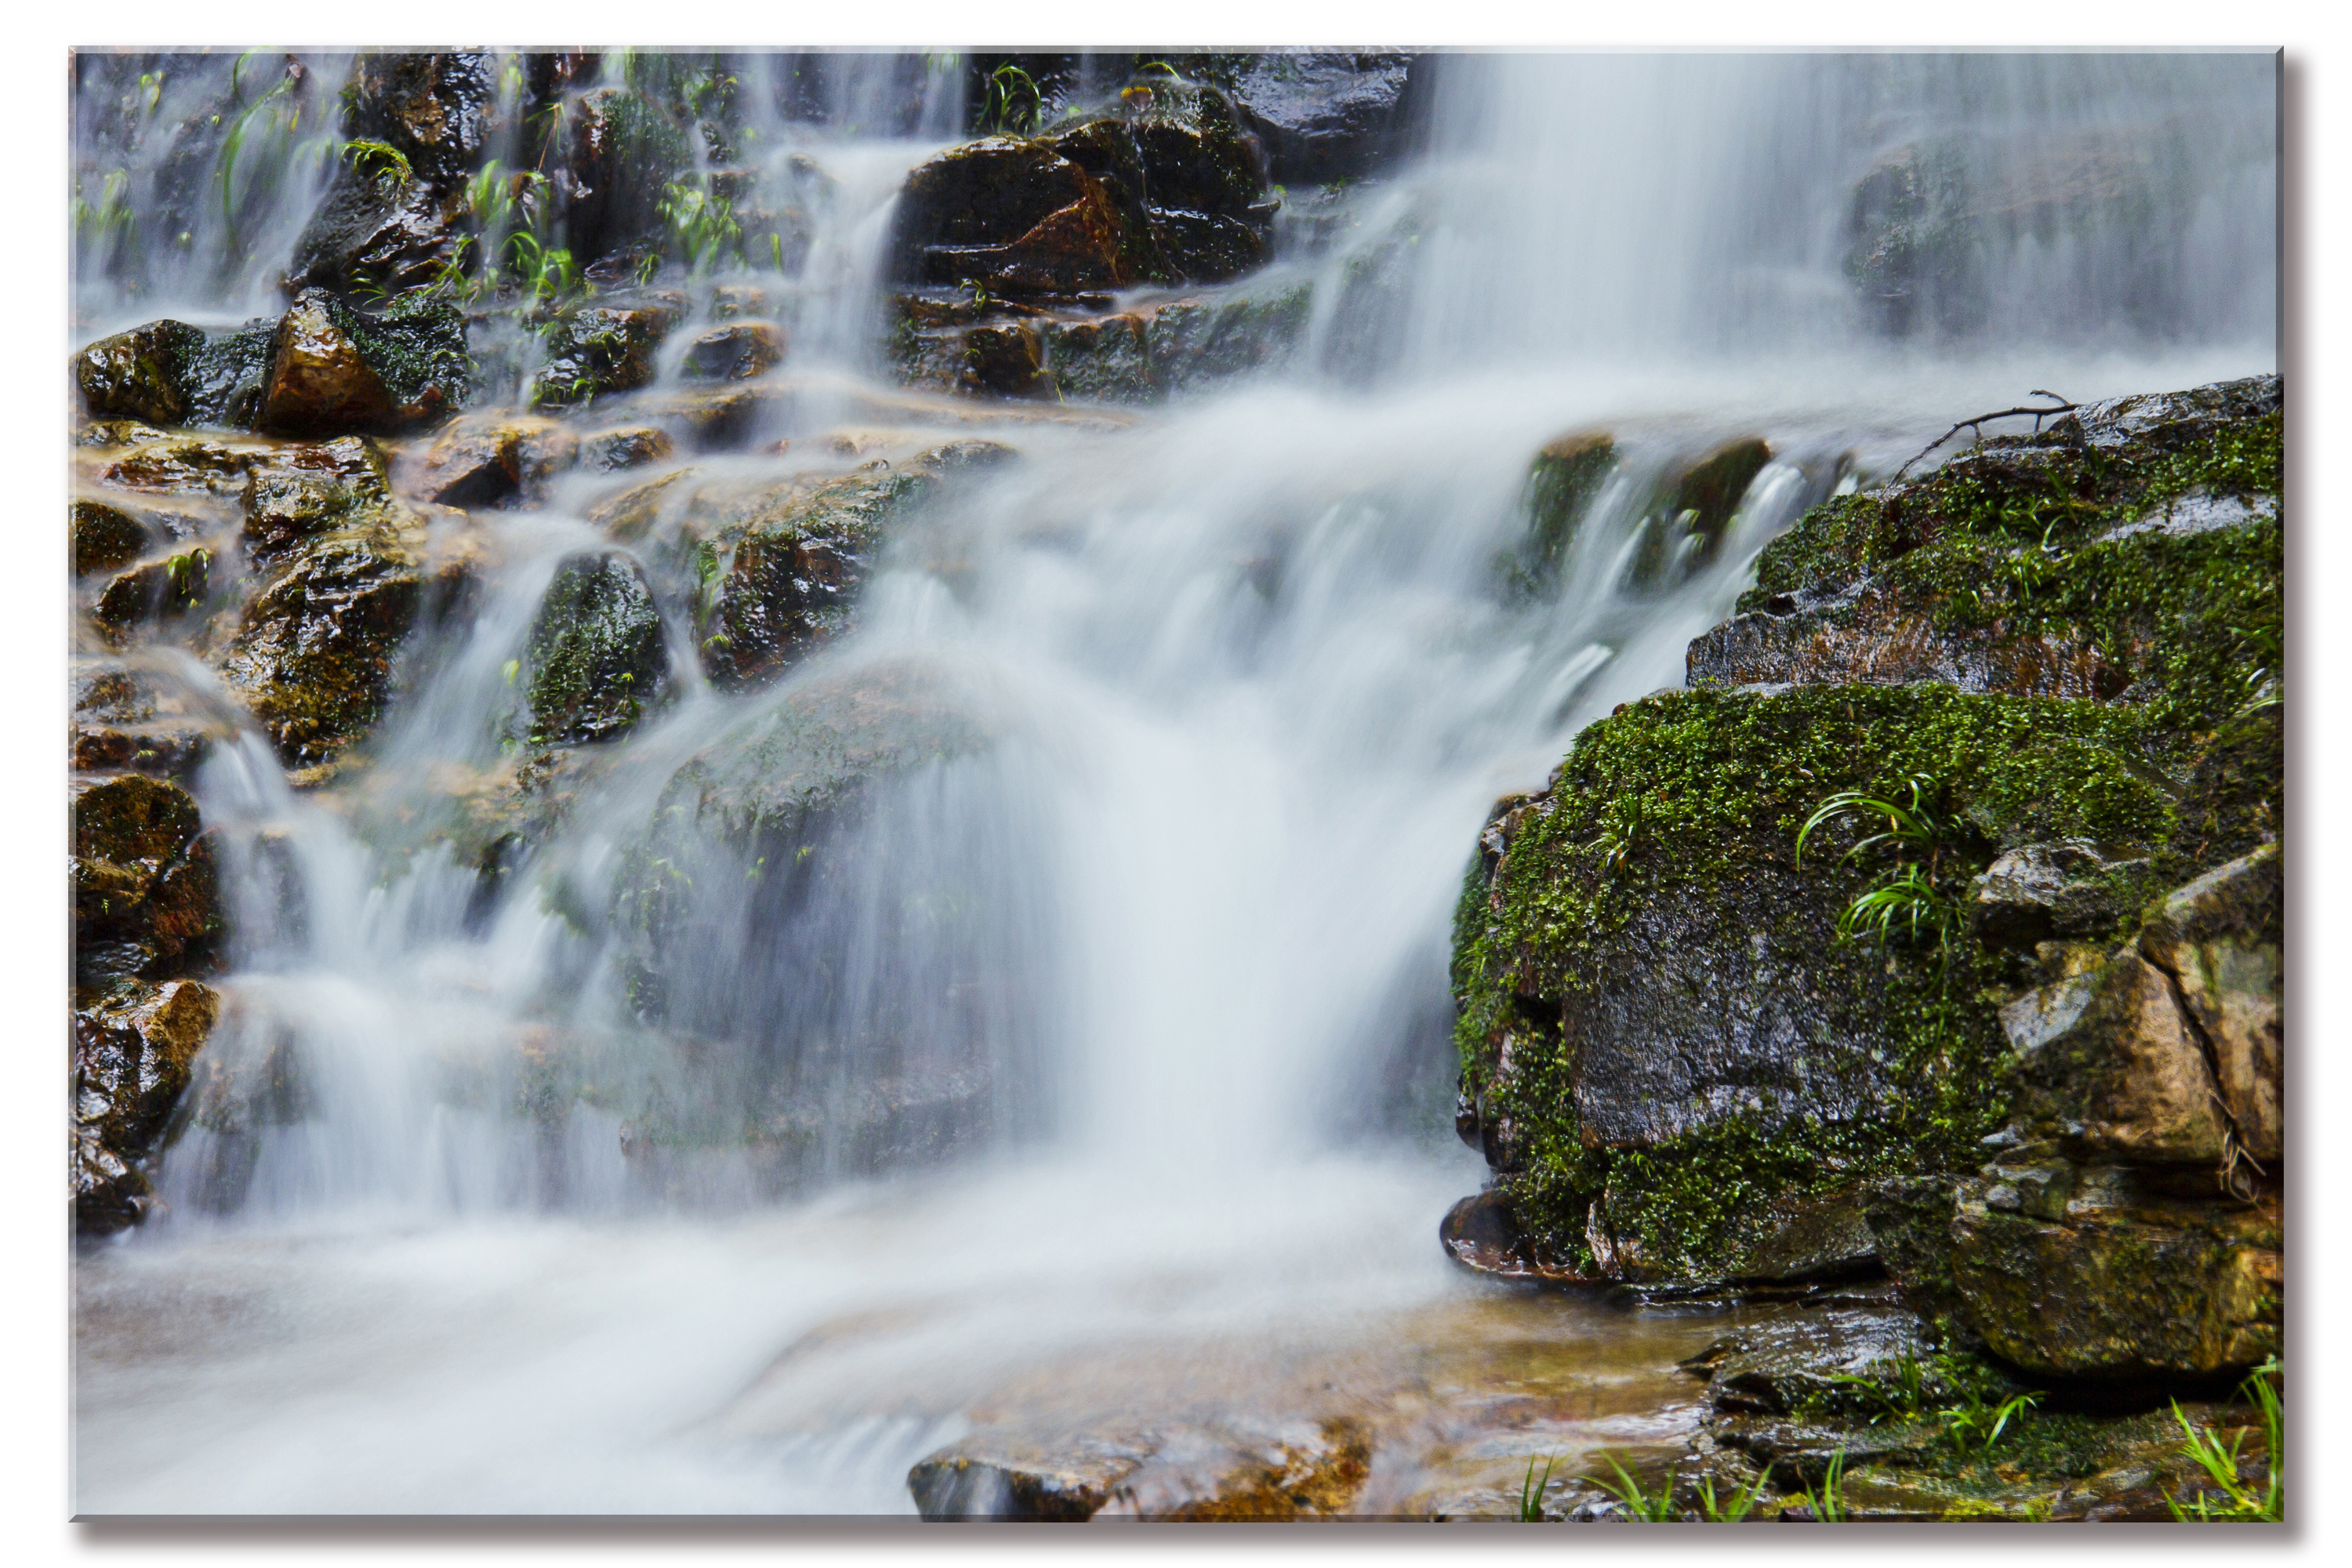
(1105, 1051)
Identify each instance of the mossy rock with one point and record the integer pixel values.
(597, 349)
(596, 663)
(103, 536)
(1670, 1052)
(333, 370)
(438, 110)
(1567, 474)
(141, 373)
(623, 150)
(313, 650)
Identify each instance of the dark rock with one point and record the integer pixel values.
(596, 662)
(133, 1049)
(438, 109)
(1788, 1367)
(312, 652)
(1325, 116)
(1207, 247)
(141, 873)
(2041, 891)
(104, 536)
(622, 151)
(152, 593)
(1482, 1234)
(381, 234)
(1709, 491)
(736, 351)
(985, 192)
(227, 378)
(2169, 420)
(138, 374)
(319, 383)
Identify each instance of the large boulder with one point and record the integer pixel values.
(1323, 116)
(438, 110)
(1015, 215)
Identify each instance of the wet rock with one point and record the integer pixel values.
(1566, 474)
(1010, 1475)
(2219, 940)
(1913, 243)
(592, 350)
(621, 150)
(1787, 1367)
(116, 433)
(2169, 420)
(788, 566)
(126, 717)
(735, 352)
(319, 383)
(104, 536)
(133, 1049)
(1220, 1473)
(1325, 116)
(2041, 891)
(1703, 497)
(229, 377)
(1874, 636)
(608, 451)
(596, 662)
(438, 109)
(489, 459)
(382, 232)
(1483, 1234)
(153, 593)
(144, 879)
(1139, 356)
(2128, 1285)
(984, 194)
(1070, 250)
(183, 465)
(313, 650)
(138, 374)
(1207, 248)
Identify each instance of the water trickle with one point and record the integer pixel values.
(1053, 968)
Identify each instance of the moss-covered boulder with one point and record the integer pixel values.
(152, 597)
(138, 374)
(133, 1049)
(1692, 1055)
(438, 110)
(2132, 550)
(596, 661)
(380, 232)
(132, 718)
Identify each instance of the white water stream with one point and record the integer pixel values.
(1249, 694)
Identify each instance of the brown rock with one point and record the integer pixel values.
(736, 351)
(2108, 1062)
(319, 383)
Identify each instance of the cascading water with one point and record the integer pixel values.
(1100, 1042)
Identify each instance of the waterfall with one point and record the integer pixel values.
(1119, 1014)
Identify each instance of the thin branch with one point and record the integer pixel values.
(2058, 405)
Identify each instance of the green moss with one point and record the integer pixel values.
(1698, 795)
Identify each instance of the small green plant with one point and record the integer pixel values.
(543, 273)
(2237, 1502)
(1980, 1416)
(1828, 1504)
(1909, 897)
(1013, 103)
(701, 227)
(1730, 1510)
(381, 164)
(1648, 1506)
(1531, 1491)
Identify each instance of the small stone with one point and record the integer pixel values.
(736, 351)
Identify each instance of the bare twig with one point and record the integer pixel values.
(2058, 405)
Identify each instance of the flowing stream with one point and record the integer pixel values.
(1242, 692)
